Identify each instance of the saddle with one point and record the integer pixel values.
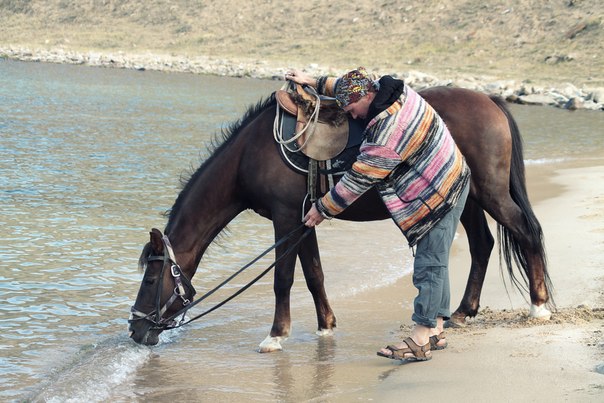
(322, 129)
(316, 137)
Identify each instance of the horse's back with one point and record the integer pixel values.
(481, 131)
(456, 105)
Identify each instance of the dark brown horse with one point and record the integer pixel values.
(246, 172)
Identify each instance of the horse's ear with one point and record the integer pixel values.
(156, 241)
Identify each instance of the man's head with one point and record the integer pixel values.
(355, 91)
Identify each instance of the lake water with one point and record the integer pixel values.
(89, 160)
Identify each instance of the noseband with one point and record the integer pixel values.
(180, 282)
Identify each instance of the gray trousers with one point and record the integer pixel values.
(431, 268)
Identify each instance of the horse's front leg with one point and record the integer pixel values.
(313, 273)
(283, 281)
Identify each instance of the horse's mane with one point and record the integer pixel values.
(218, 142)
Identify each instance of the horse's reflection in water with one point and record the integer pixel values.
(324, 367)
(306, 378)
(284, 383)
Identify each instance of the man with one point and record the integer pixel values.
(410, 156)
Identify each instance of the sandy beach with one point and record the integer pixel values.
(501, 355)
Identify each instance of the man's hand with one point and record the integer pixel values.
(313, 217)
(299, 77)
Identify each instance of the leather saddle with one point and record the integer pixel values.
(321, 131)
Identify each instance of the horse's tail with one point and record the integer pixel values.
(509, 248)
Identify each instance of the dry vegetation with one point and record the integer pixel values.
(538, 40)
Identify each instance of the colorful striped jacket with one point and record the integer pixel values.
(409, 154)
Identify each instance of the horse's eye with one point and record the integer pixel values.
(149, 281)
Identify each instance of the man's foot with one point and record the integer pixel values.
(438, 341)
(408, 351)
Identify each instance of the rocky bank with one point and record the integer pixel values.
(534, 52)
(566, 95)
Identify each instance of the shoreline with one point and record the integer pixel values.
(562, 95)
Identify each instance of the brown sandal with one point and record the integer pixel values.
(435, 339)
(420, 353)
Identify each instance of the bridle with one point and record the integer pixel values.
(180, 282)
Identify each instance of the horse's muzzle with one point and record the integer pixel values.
(142, 331)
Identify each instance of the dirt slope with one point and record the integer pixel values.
(537, 40)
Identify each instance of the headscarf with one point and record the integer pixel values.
(352, 86)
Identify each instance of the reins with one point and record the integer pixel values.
(168, 323)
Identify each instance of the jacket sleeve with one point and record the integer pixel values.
(374, 163)
(327, 85)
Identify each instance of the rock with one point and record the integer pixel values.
(555, 59)
(537, 99)
(499, 86)
(560, 99)
(465, 83)
(576, 29)
(570, 91)
(443, 83)
(513, 99)
(573, 104)
(600, 368)
(592, 106)
(565, 96)
(597, 95)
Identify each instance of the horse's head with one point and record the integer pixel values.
(164, 292)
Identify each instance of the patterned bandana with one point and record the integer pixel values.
(353, 86)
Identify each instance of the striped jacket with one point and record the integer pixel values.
(409, 154)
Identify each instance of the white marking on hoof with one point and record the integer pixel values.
(325, 332)
(540, 312)
(271, 344)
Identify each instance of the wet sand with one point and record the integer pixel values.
(501, 355)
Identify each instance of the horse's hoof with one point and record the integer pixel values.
(271, 344)
(451, 324)
(325, 332)
(456, 321)
(540, 312)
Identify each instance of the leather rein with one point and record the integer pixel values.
(181, 281)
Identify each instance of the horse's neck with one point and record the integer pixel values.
(206, 207)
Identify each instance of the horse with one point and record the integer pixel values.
(246, 172)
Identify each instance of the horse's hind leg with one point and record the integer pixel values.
(481, 244)
(313, 273)
(523, 243)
